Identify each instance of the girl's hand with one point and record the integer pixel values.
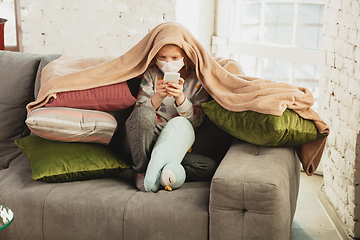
(176, 90)
(161, 88)
(159, 95)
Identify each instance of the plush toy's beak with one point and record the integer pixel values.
(168, 188)
(172, 176)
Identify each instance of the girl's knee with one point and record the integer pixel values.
(142, 116)
(144, 112)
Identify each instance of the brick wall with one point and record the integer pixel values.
(90, 27)
(103, 27)
(340, 108)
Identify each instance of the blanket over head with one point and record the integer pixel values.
(223, 79)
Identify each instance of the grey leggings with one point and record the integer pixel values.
(139, 135)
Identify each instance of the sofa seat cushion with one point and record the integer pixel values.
(100, 209)
(78, 210)
(25, 198)
(17, 79)
(180, 214)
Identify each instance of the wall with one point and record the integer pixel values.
(340, 108)
(107, 27)
(199, 18)
(89, 27)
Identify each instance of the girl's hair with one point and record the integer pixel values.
(188, 65)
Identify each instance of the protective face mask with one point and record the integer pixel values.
(173, 66)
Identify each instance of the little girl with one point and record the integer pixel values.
(157, 103)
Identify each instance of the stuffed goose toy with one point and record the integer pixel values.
(170, 148)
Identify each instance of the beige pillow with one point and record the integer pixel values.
(72, 125)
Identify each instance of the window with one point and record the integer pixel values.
(279, 40)
(7, 11)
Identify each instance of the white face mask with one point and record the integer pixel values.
(173, 66)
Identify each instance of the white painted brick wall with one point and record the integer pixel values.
(340, 108)
(105, 27)
(90, 27)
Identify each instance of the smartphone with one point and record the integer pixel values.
(171, 77)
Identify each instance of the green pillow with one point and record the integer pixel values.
(288, 129)
(53, 161)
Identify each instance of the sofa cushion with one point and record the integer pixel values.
(17, 77)
(108, 208)
(183, 213)
(53, 161)
(72, 125)
(122, 114)
(25, 198)
(289, 129)
(105, 98)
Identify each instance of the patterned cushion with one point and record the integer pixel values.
(106, 98)
(72, 125)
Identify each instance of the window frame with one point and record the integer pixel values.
(18, 46)
(223, 45)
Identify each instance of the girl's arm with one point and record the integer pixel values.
(147, 95)
(159, 96)
(191, 109)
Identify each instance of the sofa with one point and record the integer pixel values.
(252, 194)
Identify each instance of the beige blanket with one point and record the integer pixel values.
(223, 79)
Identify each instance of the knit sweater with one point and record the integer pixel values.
(190, 108)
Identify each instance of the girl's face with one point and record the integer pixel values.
(169, 53)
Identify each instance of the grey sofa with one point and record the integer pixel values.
(252, 195)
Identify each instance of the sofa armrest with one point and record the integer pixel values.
(253, 193)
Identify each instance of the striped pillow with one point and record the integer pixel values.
(72, 125)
